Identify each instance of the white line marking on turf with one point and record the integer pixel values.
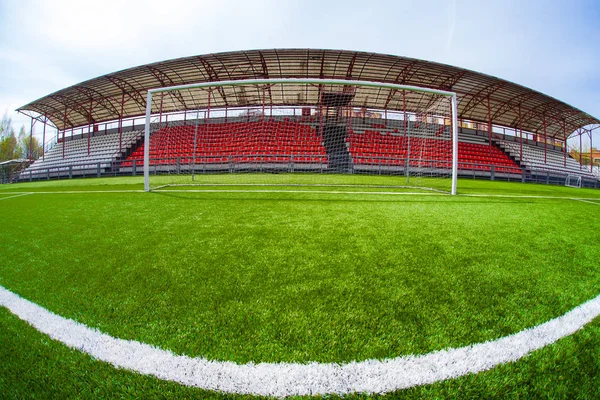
(294, 191)
(288, 379)
(12, 197)
(586, 201)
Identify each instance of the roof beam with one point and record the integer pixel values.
(130, 90)
(213, 77)
(481, 96)
(165, 80)
(71, 104)
(100, 99)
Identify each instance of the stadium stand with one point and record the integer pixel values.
(336, 119)
(283, 141)
(536, 159)
(376, 147)
(78, 155)
(244, 142)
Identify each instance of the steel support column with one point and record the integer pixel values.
(90, 125)
(44, 138)
(121, 123)
(591, 152)
(565, 142)
(31, 141)
(489, 110)
(208, 106)
(545, 143)
(580, 150)
(404, 110)
(63, 132)
(520, 137)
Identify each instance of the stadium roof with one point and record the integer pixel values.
(122, 94)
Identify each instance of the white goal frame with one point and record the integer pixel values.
(451, 95)
(577, 181)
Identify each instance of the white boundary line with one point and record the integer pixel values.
(289, 379)
(590, 200)
(12, 197)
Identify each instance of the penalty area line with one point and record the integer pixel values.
(298, 191)
(295, 379)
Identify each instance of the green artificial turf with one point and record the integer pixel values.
(299, 277)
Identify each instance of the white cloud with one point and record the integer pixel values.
(548, 46)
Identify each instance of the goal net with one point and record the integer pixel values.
(573, 181)
(300, 132)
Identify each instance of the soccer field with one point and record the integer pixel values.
(298, 274)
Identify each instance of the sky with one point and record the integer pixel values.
(551, 46)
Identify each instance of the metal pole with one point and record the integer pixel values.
(63, 132)
(489, 110)
(404, 109)
(520, 137)
(565, 142)
(408, 154)
(44, 139)
(591, 153)
(580, 150)
(121, 123)
(454, 144)
(90, 128)
(195, 141)
(208, 108)
(147, 143)
(545, 143)
(31, 141)
(263, 103)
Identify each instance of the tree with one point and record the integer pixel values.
(8, 140)
(584, 153)
(29, 146)
(9, 148)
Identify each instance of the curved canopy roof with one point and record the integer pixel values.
(122, 94)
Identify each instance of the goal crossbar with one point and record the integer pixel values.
(343, 82)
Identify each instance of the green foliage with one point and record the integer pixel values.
(16, 147)
(9, 148)
(29, 146)
(298, 277)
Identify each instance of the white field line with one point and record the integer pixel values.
(12, 197)
(590, 200)
(518, 196)
(294, 191)
(288, 379)
(587, 201)
(77, 192)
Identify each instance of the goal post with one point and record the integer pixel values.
(302, 125)
(573, 181)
